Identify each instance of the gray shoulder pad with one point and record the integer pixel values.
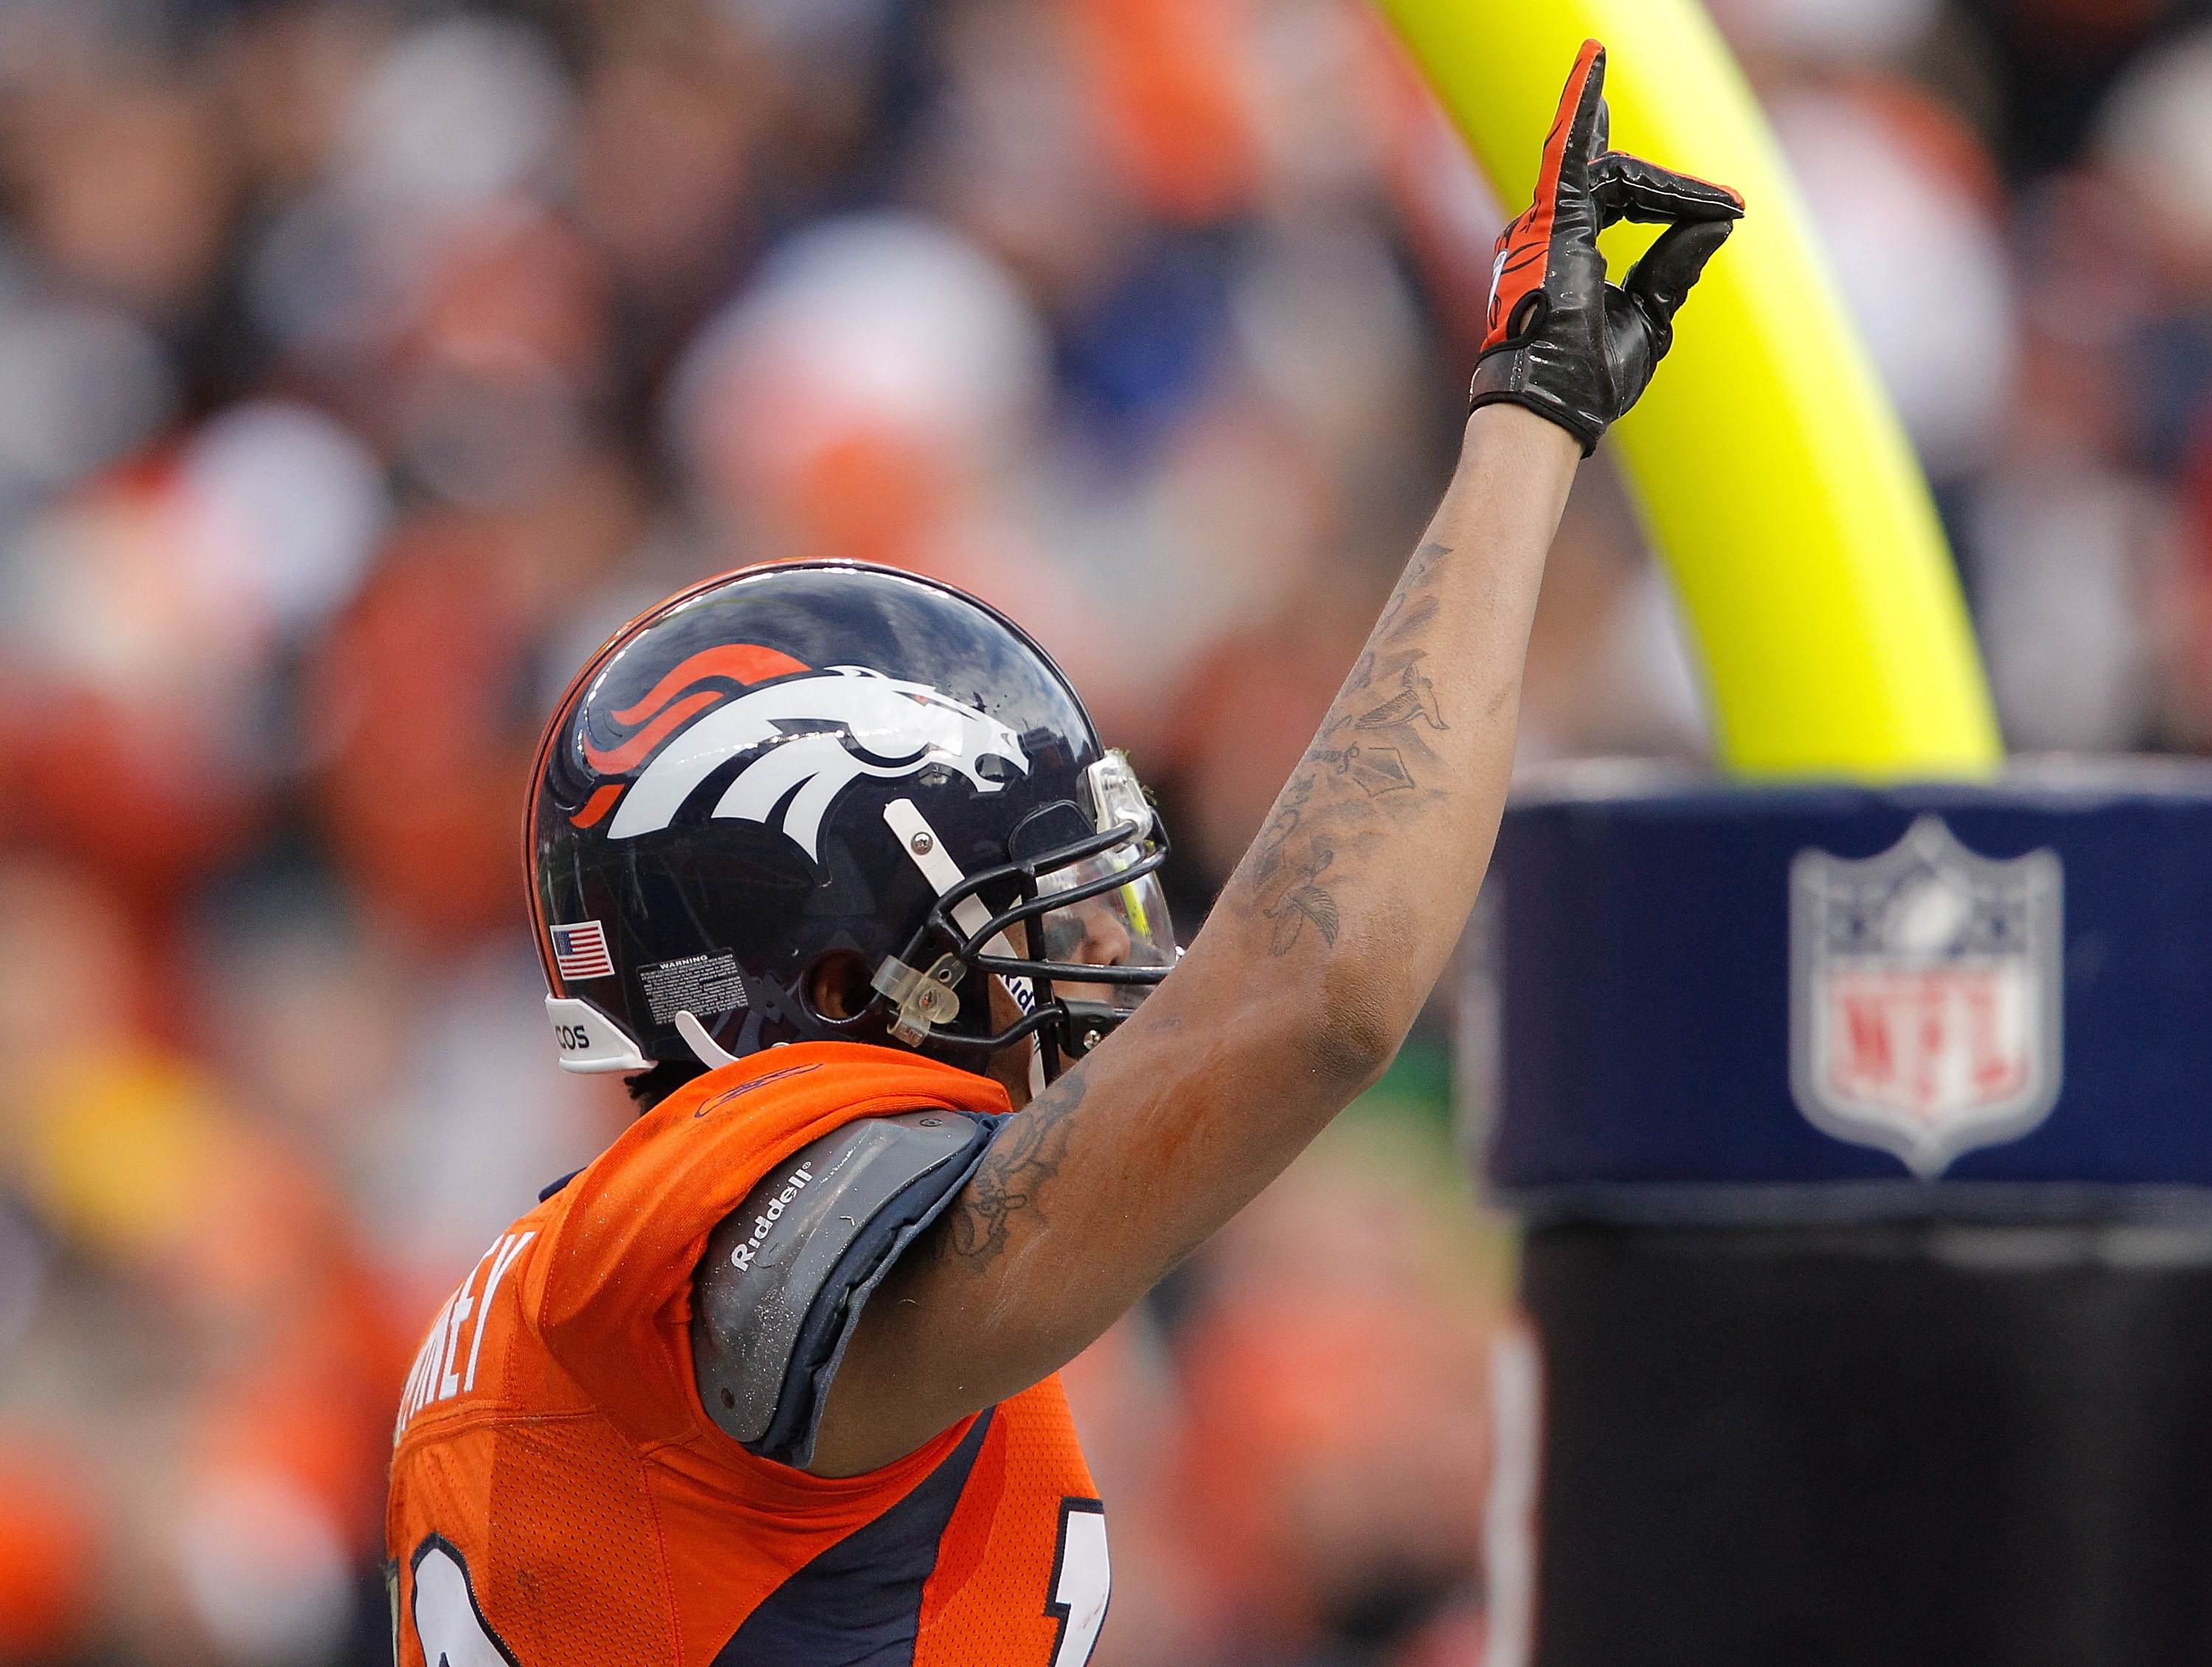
(786, 1274)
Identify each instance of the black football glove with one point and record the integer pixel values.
(1562, 341)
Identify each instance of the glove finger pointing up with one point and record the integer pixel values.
(1626, 187)
(1579, 131)
(1560, 225)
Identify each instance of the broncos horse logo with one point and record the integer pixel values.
(814, 733)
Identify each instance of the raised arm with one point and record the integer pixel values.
(1326, 941)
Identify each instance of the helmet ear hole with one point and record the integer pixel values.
(838, 986)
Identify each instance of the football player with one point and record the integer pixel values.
(829, 858)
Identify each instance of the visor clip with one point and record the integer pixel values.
(919, 1001)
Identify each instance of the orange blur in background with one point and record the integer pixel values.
(364, 363)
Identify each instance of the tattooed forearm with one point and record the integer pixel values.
(1414, 703)
(1373, 769)
(1302, 903)
(1027, 1153)
(1390, 698)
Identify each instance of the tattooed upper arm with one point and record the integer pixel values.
(1027, 1153)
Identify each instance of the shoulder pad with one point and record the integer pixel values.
(785, 1276)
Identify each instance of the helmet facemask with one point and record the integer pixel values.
(1081, 884)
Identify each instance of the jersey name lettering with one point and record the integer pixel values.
(440, 1373)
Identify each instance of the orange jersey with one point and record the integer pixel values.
(560, 1497)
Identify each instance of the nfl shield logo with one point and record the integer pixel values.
(1924, 1013)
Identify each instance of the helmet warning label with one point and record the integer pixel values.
(697, 985)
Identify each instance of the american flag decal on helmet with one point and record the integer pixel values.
(581, 951)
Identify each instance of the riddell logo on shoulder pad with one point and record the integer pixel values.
(742, 1257)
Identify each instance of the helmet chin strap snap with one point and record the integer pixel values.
(696, 1038)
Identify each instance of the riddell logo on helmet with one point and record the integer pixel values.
(815, 733)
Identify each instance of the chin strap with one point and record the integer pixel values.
(696, 1038)
(926, 851)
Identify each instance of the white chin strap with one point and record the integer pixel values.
(919, 842)
(696, 1038)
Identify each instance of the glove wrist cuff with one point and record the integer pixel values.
(1501, 377)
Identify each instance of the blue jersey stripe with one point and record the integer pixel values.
(859, 1604)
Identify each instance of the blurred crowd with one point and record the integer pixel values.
(364, 363)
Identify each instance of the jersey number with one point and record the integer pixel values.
(454, 1631)
(448, 1625)
(1081, 1579)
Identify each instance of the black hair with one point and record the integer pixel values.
(648, 1088)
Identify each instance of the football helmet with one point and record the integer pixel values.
(791, 764)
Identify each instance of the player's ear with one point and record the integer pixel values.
(837, 987)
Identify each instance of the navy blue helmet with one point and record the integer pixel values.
(828, 774)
